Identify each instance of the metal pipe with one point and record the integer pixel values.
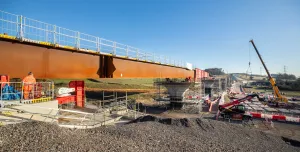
(78, 40)
(114, 48)
(24, 28)
(33, 90)
(48, 92)
(97, 44)
(54, 35)
(46, 33)
(21, 27)
(17, 25)
(126, 50)
(52, 89)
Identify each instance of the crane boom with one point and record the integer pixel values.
(238, 101)
(263, 63)
(271, 79)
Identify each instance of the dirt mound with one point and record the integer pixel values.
(144, 134)
(189, 109)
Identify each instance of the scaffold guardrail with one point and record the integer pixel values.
(26, 93)
(18, 27)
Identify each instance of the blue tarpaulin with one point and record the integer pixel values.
(9, 93)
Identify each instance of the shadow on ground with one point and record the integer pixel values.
(98, 95)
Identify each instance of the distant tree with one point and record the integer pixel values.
(215, 71)
(285, 76)
(288, 84)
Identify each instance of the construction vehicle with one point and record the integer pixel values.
(278, 97)
(235, 110)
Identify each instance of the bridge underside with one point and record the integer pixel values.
(17, 59)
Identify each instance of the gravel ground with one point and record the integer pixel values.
(190, 109)
(144, 134)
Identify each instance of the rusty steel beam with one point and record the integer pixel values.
(132, 69)
(18, 59)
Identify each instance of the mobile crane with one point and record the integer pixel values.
(235, 110)
(278, 96)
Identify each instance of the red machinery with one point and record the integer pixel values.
(236, 111)
(78, 97)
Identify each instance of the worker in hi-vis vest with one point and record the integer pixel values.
(28, 83)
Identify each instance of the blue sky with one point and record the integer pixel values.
(206, 33)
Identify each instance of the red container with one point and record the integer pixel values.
(79, 92)
(202, 73)
(197, 75)
(206, 75)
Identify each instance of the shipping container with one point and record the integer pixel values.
(197, 75)
(206, 75)
(200, 74)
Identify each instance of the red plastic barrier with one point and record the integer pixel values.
(275, 117)
(256, 115)
(66, 99)
(279, 117)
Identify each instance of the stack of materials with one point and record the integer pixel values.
(9, 93)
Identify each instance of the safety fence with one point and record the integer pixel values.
(77, 119)
(72, 118)
(21, 28)
(109, 110)
(26, 92)
(118, 103)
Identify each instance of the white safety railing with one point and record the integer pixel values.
(26, 29)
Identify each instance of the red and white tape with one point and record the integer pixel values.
(275, 117)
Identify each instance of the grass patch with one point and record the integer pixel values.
(130, 81)
(110, 83)
(287, 93)
(142, 96)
